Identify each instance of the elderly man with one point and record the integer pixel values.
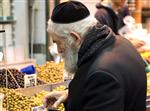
(109, 74)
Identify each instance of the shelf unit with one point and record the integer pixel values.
(7, 23)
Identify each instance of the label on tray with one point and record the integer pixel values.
(30, 80)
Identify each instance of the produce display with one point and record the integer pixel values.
(15, 78)
(146, 55)
(50, 72)
(14, 101)
(39, 97)
(148, 83)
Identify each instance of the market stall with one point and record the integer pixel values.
(22, 91)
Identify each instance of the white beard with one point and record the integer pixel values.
(70, 58)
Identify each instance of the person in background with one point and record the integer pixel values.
(121, 10)
(106, 16)
(113, 17)
(109, 73)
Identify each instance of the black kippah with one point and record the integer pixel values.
(69, 12)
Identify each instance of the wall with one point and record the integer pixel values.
(20, 11)
(38, 31)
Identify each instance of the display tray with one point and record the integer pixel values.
(36, 89)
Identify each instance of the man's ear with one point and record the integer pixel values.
(76, 37)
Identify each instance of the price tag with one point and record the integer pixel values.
(30, 80)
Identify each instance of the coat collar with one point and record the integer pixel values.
(97, 38)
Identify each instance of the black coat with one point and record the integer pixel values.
(110, 76)
(123, 12)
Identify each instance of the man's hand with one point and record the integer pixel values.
(54, 99)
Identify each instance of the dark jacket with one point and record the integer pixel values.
(110, 76)
(107, 16)
(123, 12)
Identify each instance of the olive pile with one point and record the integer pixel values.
(15, 78)
(148, 83)
(14, 101)
(50, 72)
(39, 97)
